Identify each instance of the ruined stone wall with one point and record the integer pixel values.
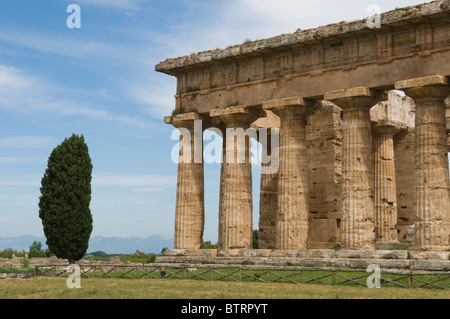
(404, 162)
(447, 115)
(324, 140)
(324, 134)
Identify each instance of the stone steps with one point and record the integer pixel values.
(348, 259)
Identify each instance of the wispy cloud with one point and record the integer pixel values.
(44, 97)
(115, 4)
(131, 180)
(21, 181)
(82, 48)
(27, 142)
(158, 101)
(17, 160)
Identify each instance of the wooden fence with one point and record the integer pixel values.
(360, 277)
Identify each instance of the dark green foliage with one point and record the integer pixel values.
(255, 239)
(99, 254)
(144, 259)
(66, 196)
(209, 245)
(8, 252)
(35, 250)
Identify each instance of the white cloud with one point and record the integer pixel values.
(71, 47)
(232, 22)
(21, 181)
(44, 97)
(157, 98)
(27, 142)
(131, 180)
(17, 160)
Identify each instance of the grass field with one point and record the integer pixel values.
(110, 288)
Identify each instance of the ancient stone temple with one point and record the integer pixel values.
(364, 135)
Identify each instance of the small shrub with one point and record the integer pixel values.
(209, 245)
(141, 259)
(401, 246)
(8, 252)
(35, 250)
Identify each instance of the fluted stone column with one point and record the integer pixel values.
(268, 207)
(358, 215)
(236, 199)
(431, 181)
(447, 115)
(190, 207)
(293, 207)
(385, 189)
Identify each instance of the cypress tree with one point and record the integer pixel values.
(65, 199)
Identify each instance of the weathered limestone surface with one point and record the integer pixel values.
(190, 207)
(447, 115)
(412, 41)
(324, 148)
(358, 219)
(392, 260)
(236, 199)
(404, 166)
(399, 111)
(328, 63)
(293, 207)
(431, 174)
(267, 231)
(385, 192)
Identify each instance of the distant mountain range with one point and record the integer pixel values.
(109, 245)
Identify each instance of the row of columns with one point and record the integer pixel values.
(368, 189)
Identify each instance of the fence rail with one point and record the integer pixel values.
(406, 279)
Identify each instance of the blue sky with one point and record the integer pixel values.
(99, 81)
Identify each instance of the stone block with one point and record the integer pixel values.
(352, 92)
(286, 253)
(291, 101)
(256, 253)
(428, 255)
(423, 81)
(323, 233)
(174, 252)
(431, 265)
(320, 253)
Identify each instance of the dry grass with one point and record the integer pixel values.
(96, 288)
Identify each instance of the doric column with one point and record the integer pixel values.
(236, 199)
(385, 189)
(358, 216)
(268, 207)
(190, 207)
(447, 115)
(292, 207)
(431, 181)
